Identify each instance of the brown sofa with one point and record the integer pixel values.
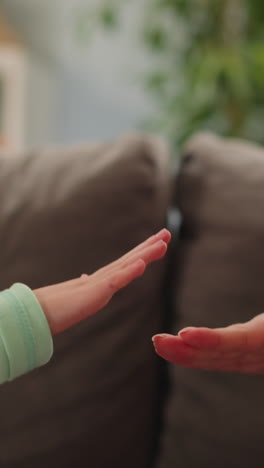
(106, 399)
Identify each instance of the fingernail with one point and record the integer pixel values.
(185, 331)
(161, 335)
(154, 337)
(200, 337)
(160, 243)
(161, 233)
(190, 338)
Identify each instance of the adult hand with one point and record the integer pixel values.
(67, 303)
(236, 348)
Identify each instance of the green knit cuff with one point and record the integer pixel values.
(24, 332)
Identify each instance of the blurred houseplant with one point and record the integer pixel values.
(209, 64)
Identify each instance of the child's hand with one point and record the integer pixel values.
(237, 348)
(72, 301)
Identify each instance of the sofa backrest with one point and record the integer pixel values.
(65, 212)
(217, 419)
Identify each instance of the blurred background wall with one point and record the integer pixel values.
(98, 68)
(78, 88)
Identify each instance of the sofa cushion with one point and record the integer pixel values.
(63, 213)
(217, 419)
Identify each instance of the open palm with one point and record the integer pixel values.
(237, 348)
(70, 302)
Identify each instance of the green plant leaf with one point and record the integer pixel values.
(108, 16)
(209, 64)
(156, 38)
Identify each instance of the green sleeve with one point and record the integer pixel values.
(25, 337)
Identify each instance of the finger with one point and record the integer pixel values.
(149, 254)
(233, 338)
(164, 235)
(173, 349)
(124, 276)
(200, 338)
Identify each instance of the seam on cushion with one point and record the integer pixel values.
(25, 326)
